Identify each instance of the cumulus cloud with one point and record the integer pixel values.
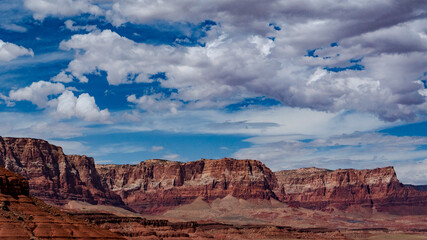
(83, 107)
(245, 56)
(70, 25)
(357, 150)
(66, 105)
(43, 8)
(241, 13)
(120, 57)
(155, 102)
(10, 51)
(62, 77)
(229, 69)
(37, 93)
(323, 19)
(207, 76)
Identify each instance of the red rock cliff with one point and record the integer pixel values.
(321, 188)
(26, 217)
(53, 176)
(12, 184)
(156, 185)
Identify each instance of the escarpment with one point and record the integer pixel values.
(25, 217)
(320, 188)
(53, 176)
(155, 186)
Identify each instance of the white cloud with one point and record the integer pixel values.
(156, 148)
(70, 24)
(66, 105)
(13, 27)
(43, 8)
(37, 93)
(201, 74)
(119, 148)
(323, 19)
(84, 107)
(155, 102)
(412, 172)
(71, 147)
(51, 129)
(62, 77)
(7, 100)
(38, 126)
(120, 57)
(275, 121)
(229, 69)
(172, 157)
(10, 51)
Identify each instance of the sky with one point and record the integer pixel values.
(295, 83)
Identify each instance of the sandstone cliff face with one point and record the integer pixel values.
(52, 175)
(25, 217)
(321, 188)
(156, 185)
(12, 184)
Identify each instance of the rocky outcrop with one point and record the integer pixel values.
(53, 176)
(156, 185)
(418, 187)
(141, 228)
(12, 184)
(321, 188)
(26, 217)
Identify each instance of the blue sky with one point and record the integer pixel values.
(289, 83)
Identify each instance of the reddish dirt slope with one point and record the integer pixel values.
(26, 217)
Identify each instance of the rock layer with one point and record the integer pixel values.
(156, 185)
(140, 228)
(53, 176)
(26, 217)
(12, 184)
(321, 188)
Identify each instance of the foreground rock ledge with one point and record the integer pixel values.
(26, 217)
